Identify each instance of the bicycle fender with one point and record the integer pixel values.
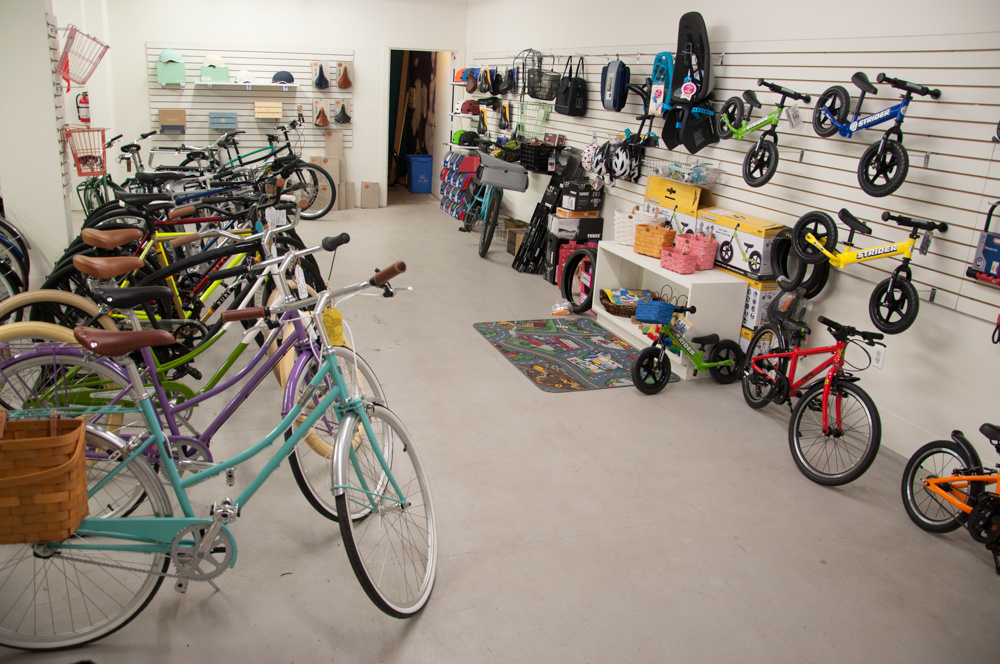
(967, 447)
(289, 397)
(342, 449)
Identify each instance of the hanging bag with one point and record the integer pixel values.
(571, 97)
(614, 85)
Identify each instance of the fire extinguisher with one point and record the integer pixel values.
(83, 107)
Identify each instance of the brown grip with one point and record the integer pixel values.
(243, 314)
(183, 240)
(185, 211)
(397, 268)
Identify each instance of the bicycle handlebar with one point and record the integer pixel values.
(842, 332)
(915, 223)
(331, 243)
(781, 90)
(909, 87)
(112, 141)
(685, 310)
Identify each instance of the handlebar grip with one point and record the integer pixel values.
(760, 81)
(331, 243)
(146, 135)
(112, 141)
(243, 314)
(823, 320)
(185, 211)
(881, 78)
(873, 336)
(806, 99)
(183, 240)
(886, 216)
(382, 276)
(688, 309)
(934, 94)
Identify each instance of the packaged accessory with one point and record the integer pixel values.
(322, 82)
(571, 97)
(344, 82)
(321, 119)
(342, 117)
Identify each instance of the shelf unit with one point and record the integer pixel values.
(719, 297)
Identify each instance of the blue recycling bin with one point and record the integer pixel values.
(421, 167)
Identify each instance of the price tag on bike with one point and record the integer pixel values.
(300, 282)
(794, 118)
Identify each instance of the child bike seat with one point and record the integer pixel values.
(853, 222)
(861, 80)
(707, 340)
(750, 97)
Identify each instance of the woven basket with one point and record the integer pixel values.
(650, 240)
(623, 310)
(43, 479)
(627, 220)
(678, 259)
(704, 248)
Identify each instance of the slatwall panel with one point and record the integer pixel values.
(198, 99)
(961, 177)
(55, 50)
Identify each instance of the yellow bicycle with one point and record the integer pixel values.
(894, 303)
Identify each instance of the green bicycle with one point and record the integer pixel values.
(762, 159)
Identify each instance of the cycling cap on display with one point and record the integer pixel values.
(170, 55)
(214, 61)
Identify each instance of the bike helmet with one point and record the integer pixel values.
(620, 162)
(599, 163)
(470, 107)
(214, 61)
(457, 136)
(283, 77)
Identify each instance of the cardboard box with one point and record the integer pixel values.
(759, 295)
(580, 230)
(173, 120)
(515, 236)
(744, 241)
(682, 223)
(513, 224)
(577, 214)
(332, 165)
(581, 196)
(349, 195)
(369, 195)
(334, 143)
(746, 335)
(673, 195)
(551, 262)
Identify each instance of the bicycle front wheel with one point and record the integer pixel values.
(57, 597)
(317, 188)
(843, 451)
(312, 458)
(931, 512)
(394, 550)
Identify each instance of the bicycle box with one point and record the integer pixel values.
(759, 296)
(747, 250)
(502, 174)
(672, 195)
(223, 121)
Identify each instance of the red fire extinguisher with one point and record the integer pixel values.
(83, 107)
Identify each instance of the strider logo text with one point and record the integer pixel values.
(877, 251)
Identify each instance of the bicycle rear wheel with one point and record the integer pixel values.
(394, 550)
(490, 223)
(932, 513)
(312, 458)
(56, 597)
(843, 452)
(758, 389)
(318, 189)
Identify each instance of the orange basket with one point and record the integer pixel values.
(87, 146)
(80, 55)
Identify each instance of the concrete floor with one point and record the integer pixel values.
(603, 526)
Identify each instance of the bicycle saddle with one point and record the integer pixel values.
(750, 97)
(110, 239)
(107, 267)
(126, 298)
(159, 177)
(707, 340)
(140, 199)
(991, 431)
(113, 344)
(853, 222)
(860, 79)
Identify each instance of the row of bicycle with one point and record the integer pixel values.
(120, 353)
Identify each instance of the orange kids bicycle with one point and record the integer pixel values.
(835, 430)
(945, 487)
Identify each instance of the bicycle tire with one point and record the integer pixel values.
(823, 228)
(319, 189)
(577, 283)
(890, 165)
(54, 306)
(11, 231)
(393, 177)
(884, 306)
(394, 550)
(836, 99)
(10, 285)
(78, 603)
(732, 111)
(11, 260)
(928, 510)
(490, 219)
(844, 455)
(312, 458)
(766, 339)
(725, 350)
(781, 251)
(760, 164)
(651, 370)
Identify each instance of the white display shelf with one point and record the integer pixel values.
(718, 297)
(246, 86)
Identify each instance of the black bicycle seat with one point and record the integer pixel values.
(140, 199)
(750, 97)
(126, 298)
(707, 340)
(860, 79)
(991, 431)
(159, 177)
(853, 222)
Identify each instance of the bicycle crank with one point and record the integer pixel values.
(201, 553)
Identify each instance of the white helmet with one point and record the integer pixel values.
(620, 166)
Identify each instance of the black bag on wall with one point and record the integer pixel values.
(571, 97)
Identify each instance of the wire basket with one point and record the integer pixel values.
(80, 55)
(87, 146)
(691, 171)
(532, 116)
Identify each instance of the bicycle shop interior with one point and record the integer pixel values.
(602, 524)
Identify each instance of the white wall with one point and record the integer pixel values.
(940, 374)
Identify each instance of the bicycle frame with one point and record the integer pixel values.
(949, 488)
(895, 113)
(771, 119)
(697, 357)
(904, 249)
(833, 365)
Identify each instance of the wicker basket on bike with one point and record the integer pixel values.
(499, 173)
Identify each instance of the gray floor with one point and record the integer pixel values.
(604, 526)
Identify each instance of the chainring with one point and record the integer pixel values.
(984, 520)
(213, 562)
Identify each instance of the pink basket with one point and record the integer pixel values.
(80, 55)
(702, 247)
(678, 259)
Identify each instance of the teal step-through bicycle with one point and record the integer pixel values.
(63, 594)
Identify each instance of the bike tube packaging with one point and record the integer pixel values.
(744, 241)
(614, 85)
(571, 96)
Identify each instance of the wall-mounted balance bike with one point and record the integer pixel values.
(884, 164)
(762, 159)
(893, 304)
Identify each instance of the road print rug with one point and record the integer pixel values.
(563, 354)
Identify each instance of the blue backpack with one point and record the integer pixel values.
(614, 85)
